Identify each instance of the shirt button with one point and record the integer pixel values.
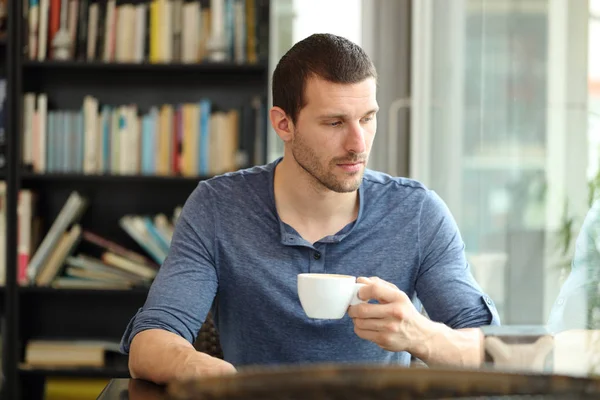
(488, 300)
(317, 255)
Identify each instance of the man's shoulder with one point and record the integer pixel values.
(233, 190)
(411, 193)
(256, 177)
(380, 181)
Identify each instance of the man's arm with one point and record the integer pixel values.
(396, 325)
(444, 282)
(159, 337)
(161, 356)
(449, 292)
(452, 298)
(450, 347)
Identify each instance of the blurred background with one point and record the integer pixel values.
(494, 104)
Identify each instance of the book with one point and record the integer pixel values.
(116, 248)
(69, 214)
(59, 254)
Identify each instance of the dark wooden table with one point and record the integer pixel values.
(132, 389)
(356, 382)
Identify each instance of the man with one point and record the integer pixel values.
(243, 238)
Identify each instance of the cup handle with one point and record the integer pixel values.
(355, 299)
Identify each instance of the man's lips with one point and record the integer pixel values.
(350, 162)
(350, 166)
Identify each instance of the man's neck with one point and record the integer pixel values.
(308, 206)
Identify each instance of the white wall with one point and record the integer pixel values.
(340, 17)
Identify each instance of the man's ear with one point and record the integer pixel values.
(282, 124)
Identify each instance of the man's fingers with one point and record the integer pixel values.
(385, 325)
(372, 336)
(378, 279)
(380, 290)
(366, 310)
(383, 340)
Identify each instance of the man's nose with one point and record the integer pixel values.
(355, 139)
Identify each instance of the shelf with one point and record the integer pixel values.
(141, 83)
(77, 313)
(34, 312)
(128, 179)
(144, 67)
(107, 372)
(42, 290)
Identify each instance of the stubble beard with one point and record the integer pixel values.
(324, 176)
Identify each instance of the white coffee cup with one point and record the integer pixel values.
(328, 296)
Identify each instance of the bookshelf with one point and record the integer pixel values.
(132, 88)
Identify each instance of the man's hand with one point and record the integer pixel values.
(394, 324)
(200, 365)
(161, 356)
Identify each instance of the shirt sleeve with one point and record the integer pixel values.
(444, 282)
(185, 286)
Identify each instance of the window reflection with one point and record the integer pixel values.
(507, 99)
(505, 116)
(578, 303)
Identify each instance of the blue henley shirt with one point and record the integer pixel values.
(232, 255)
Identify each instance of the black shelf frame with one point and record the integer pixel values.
(229, 83)
(75, 178)
(47, 290)
(219, 67)
(108, 178)
(106, 372)
(10, 331)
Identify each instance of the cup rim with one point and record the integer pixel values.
(317, 275)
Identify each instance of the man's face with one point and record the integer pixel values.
(334, 132)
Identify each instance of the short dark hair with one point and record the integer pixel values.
(330, 57)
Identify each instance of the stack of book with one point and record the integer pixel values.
(157, 31)
(56, 259)
(187, 139)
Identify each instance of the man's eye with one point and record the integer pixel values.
(367, 119)
(336, 123)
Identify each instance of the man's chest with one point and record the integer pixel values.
(271, 269)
